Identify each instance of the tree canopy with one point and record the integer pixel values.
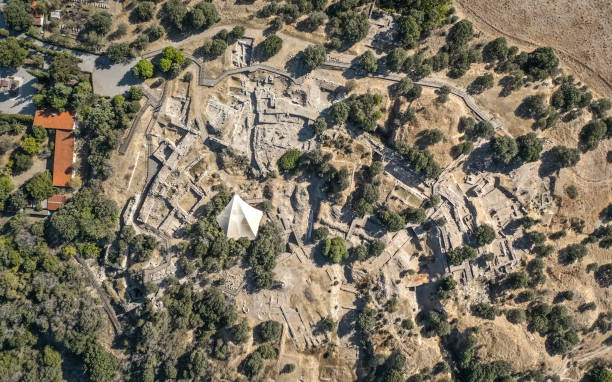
(335, 249)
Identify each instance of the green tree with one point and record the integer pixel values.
(135, 93)
(592, 133)
(101, 23)
(237, 33)
(321, 233)
(174, 12)
(143, 69)
(339, 112)
(458, 255)
(352, 26)
(504, 149)
(395, 59)
(541, 63)
(409, 31)
(155, 32)
(30, 145)
(21, 162)
(319, 125)
(460, 34)
(269, 331)
(335, 250)
(100, 365)
(12, 55)
(315, 55)
(574, 252)
(314, 21)
(39, 133)
(144, 11)
(289, 160)
(408, 89)
(368, 62)
(272, 45)
(529, 147)
(215, 47)
(496, 50)
(600, 107)
(600, 372)
(565, 157)
(533, 107)
(40, 187)
(252, 365)
(17, 15)
(485, 234)
(203, 15)
(6, 187)
(120, 52)
(481, 83)
(392, 220)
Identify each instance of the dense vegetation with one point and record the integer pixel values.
(67, 324)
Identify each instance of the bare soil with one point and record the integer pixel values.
(579, 31)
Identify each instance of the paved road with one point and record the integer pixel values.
(112, 79)
(22, 103)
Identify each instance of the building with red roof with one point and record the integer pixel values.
(63, 156)
(56, 201)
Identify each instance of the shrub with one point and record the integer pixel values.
(484, 310)
(516, 316)
(430, 137)
(321, 233)
(155, 32)
(603, 275)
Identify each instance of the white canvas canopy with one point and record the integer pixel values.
(238, 219)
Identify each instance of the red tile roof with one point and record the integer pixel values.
(50, 119)
(62, 158)
(56, 201)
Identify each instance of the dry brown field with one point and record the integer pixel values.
(580, 31)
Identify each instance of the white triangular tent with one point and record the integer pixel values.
(238, 219)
